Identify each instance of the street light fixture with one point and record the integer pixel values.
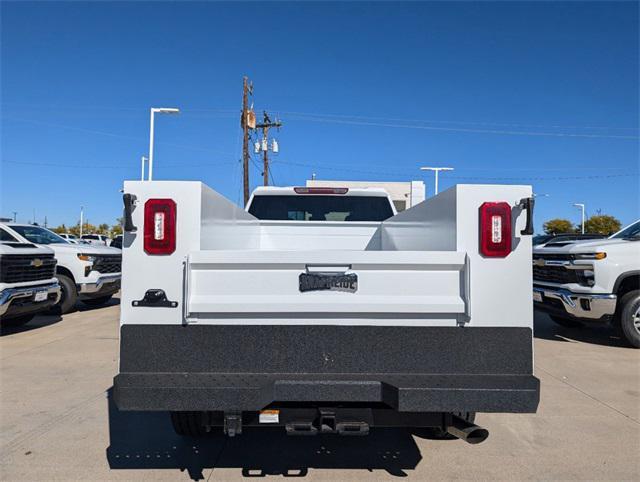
(581, 206)
(154, 111)
(436, 170)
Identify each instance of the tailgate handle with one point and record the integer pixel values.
(129, 201)
(527, 204)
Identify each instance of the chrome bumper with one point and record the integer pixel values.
(102, 282)
(580, 305)
(9, 295)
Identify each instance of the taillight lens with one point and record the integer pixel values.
(495, 229)
(159, 226)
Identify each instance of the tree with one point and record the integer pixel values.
(102, 229)
(558, 226)
(116, 229)
(60, 229)
(602, 224)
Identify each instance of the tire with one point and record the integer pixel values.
(97, 301)
(188, 424)
(566, 322)
(438, 433)
(68, 296)
(630, 317)
(17, 321)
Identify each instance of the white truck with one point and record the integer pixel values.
(27, 282)
(593, 282)
(89, 273)
(320, 311)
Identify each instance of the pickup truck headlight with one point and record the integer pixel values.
(599, 255)
(86, 257)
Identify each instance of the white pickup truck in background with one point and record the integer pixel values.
(27, 280)
(596, 281)
(89, 273)
(319, 310)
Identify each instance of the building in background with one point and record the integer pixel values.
(403, 194)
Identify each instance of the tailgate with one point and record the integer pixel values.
(266, 285)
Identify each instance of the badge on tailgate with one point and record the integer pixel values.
(328, 282)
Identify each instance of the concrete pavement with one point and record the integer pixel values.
(57, 421)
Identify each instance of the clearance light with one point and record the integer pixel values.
(321, 190)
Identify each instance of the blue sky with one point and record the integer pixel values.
(520, 93)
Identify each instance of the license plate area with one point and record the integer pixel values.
(345, 282)
(40, 296)
(537, 297)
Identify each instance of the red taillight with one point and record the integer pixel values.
(495, 229)
(159, 226)
(321, 190)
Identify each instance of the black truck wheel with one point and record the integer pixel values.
(68, 295)
(97, 301)
(566, 321)
(188, 424)
(630, 317)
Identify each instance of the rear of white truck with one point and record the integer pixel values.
(326, 325)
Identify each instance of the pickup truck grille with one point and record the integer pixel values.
(554, 274)
(108, 263)
(19, 268)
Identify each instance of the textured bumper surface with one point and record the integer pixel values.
(432, 369)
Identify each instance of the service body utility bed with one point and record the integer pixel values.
(412, 314)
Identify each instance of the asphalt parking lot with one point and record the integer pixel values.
(58, 422)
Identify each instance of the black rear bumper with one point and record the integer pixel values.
(246, 368)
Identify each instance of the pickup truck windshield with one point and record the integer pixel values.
(321, 208)
(631, 232)
(37, 235)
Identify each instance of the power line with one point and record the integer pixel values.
(230, 112)
(93, 166)
(468, 130)
(112, 134)
(432, 121)
(413, 172)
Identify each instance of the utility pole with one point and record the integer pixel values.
(247, 89)
(266, 124)
(15, 214)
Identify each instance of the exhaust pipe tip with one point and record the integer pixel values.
(477, 435)
(469, 432)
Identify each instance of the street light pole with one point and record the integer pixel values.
(581, 206)
(81, 218)
(142, 161)
(436, 170)
(154, 110)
